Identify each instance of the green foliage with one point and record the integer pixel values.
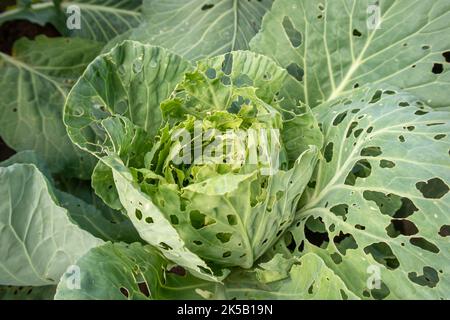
(140, 160)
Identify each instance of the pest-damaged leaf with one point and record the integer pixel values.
(196, 29)
(131, 272)
(331, 47)
(36, 80)
(289, 279)
(380, 199)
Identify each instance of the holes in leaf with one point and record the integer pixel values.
(376, 97)
(444, 231)
(296, 71)
(401, 227)
(301, 247)
(211, 73)
(224, 237)
(343, 294)
(344, 242)
(328, 152)
(391, 204)
(198, 242)
(401, 139)
(446, 55)
(226, 81)
(386, 164)
(174, 219)
(339, 118)
(226, 254)
(353, 125)
(404, 104)
(382, 253)
(243, 80)
(435, 124)
(207, 7)
(294, 36)
(124, 291)
(204, 270)
(420, 113)
(199, 220)
(149, 220)
(165, 246)
(232, 219)
(316, 237)
(357, 33)
(178, 270)
(424, 244)
(429, 278)
(440, 136)
(358, 132)
(361, 169)
(381, 293)
(227, 64)
(341, 210)
(371, 152)
(360, 227)
(138, 214)
(426, 47)
(311, 287)
(438, 68)
(312, 184)
(433, 189)
(336, 257)
(290, 242)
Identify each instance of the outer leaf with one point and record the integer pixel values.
(36, 81)
(41, 13)
(131, 81)
(27, 293)
(330, 48)
(197, 29)
(83, 206)
(308, 278)
(381, 193)
(107, 225)
(29, 157)
(38, 239)
(139, 78)
(120, 272)
(100, 20)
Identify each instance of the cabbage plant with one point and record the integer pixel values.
(190, 162)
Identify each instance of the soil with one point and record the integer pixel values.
(6, 3)
(5, 151)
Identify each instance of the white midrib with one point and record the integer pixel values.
(235, 26)
(356, 63)
(19, 64)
